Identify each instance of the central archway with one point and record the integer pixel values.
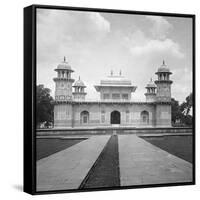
(115, 117)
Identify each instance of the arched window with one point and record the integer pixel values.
(127, 116)
(63, 73)
(84, 116)
(103, 118)
(145, 117)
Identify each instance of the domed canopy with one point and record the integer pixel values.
(151, 84)
(116, 80)
(64, 66)
(163, 68)
(79, 83)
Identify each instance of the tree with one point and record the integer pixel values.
(185, 108)
(44, 106)
(176, 111)
(182, 112)
(187, 105)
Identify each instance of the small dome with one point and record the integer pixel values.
(151, 84)
(79, 83)
(163, 68)
(64, 65)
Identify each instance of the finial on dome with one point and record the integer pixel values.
(79, 78)
(64, 59)
(120, 72)
(111, 72)
(163, 62)
(151, 79)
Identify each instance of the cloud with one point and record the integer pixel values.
(136, 38)
(148, 48)
(99, 22)
(182, 82)
(156, 44)
(72, 23)
(93, 45)
(160, 26)
(157, 47)
(60, 31)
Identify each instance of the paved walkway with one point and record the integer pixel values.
(142, 163)
(67, 169)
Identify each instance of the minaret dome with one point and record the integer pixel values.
(79, 90)
(151, 91)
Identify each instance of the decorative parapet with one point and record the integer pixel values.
(111, 101)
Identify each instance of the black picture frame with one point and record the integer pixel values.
(30, 95)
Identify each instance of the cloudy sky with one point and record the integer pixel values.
(96, 43)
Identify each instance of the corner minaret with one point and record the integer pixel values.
(151, 91)
(163, 83)
(63, 81)
(79, 90)
(163, 97)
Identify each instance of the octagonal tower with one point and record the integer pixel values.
(63, 81)
(163, 96)
(163, 83)
(79, 90)
(151, 91)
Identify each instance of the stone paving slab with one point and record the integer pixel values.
(67, 169)
(142, 163)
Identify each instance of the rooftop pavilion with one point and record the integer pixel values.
(115, 87)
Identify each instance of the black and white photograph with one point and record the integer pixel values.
(114, 99)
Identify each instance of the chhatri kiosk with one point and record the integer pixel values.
(115, 106)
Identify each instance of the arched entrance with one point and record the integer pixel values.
(115, 117)
(144, 117)
(84, 116)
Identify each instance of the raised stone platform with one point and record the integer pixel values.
(110, 130)
(67, 169)
(141, 163)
